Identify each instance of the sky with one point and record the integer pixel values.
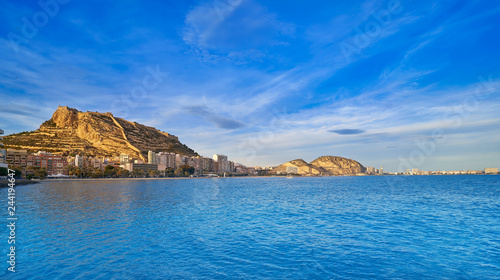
(399, 84)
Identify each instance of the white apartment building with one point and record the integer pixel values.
(151, 157)
(220, 163)
(166, 159)
(124, 159)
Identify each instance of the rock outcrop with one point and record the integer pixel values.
(303, 168)
(95, 134)
(338, 165)
(325, 165)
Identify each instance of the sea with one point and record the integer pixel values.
(366, 227)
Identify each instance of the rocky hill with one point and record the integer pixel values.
(325, 165)
(95, 134)
(303, 168)
(338, 165)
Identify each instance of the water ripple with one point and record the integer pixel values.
(422, 227)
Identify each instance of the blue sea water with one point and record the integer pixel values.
(386, 227)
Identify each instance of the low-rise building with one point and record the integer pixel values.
(3, 158)
(124, 159)
(491, 170)
(17, 157)
(53, 164)
(240, 169)
(140, 166)
(3, 153)
(97, 163)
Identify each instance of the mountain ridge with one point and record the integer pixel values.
(323, 165)
(96, 134)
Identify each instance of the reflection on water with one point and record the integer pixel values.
(342, 227)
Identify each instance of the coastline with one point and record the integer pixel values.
(18, 182)
(149, 178)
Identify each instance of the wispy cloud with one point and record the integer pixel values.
(347, 131)
(19, 109)
(233, 30)
(219, 121)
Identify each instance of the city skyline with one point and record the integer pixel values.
(161, 163)
(399, 84)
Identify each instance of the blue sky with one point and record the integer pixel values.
(394, 83)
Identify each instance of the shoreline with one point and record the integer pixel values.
(18, 182)
(27, 182)
(149, 178)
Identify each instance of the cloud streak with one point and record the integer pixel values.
(347, 131)
(238, 31)
(217, 120)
